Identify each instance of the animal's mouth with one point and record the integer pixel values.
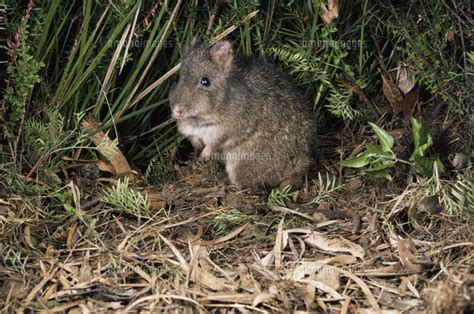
(177, 116)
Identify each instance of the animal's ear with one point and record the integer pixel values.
(222, 54)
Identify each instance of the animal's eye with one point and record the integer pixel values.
(205, 81)
(176, 78)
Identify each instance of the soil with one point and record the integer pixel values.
(366, 246)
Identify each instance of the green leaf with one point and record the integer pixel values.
(379, 174)
(385, 139)
(377, 151)
(425, 165)
(372, 149)
(381, 164)
(69, 209)
(422, 139)
(360, 161)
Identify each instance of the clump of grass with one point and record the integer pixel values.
(325, 188)
(280, 197)
(127, 199)
(229, 219)
(12, 259)
(49, 139)
(458, 194)
(156, 172)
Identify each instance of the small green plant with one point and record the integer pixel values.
(22, 73)
(123, 197)
(156, 171)
(12, 259)
(280, 197)
(49, 139)
(322, 60)
(325, 188)
(423, 141)
(339, 104)
(231, 218)
(377, 159)
(458, 195)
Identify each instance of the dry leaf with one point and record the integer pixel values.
(339, 244)
(323, 287)
(406, 284)
(405, 80)
(391, 92)
(27, 236)
(353, 88)
(409, 102)
(208, 280)
(76, 195)
(304, 269)
(232, 297)
(245, 279)
(331, 12)
(263, 297)
(280, 243)
(108, 148)
(85, 274)
(309, 293)
(71, 236)
(198, 275)
(340, 260)
(406, 256)
(329, 277)
(105, 166)
(377, 311)
(228, 236)
(156, 202)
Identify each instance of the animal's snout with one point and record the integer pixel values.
(177, 113)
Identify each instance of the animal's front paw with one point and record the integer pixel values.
(206, 153)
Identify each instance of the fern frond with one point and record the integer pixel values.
(304, 67)
(458, 196)
(339, 104)
(325, 188)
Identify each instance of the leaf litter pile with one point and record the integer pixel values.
(195, 244)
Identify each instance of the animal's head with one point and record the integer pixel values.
(200, 89)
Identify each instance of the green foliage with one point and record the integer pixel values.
(12, 259)
(423, 141)
(304, 67)
(22, 76)
(280, 197)
(325, 188)
(319, 68)
(377, 159)
(229, 219)
(430, 42)
(458, 194)
(156, 172)
(127, 199)
(339, 104)
(49, 139)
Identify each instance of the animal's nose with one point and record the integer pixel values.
(177, 113)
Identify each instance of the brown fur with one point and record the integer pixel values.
(251, 116)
